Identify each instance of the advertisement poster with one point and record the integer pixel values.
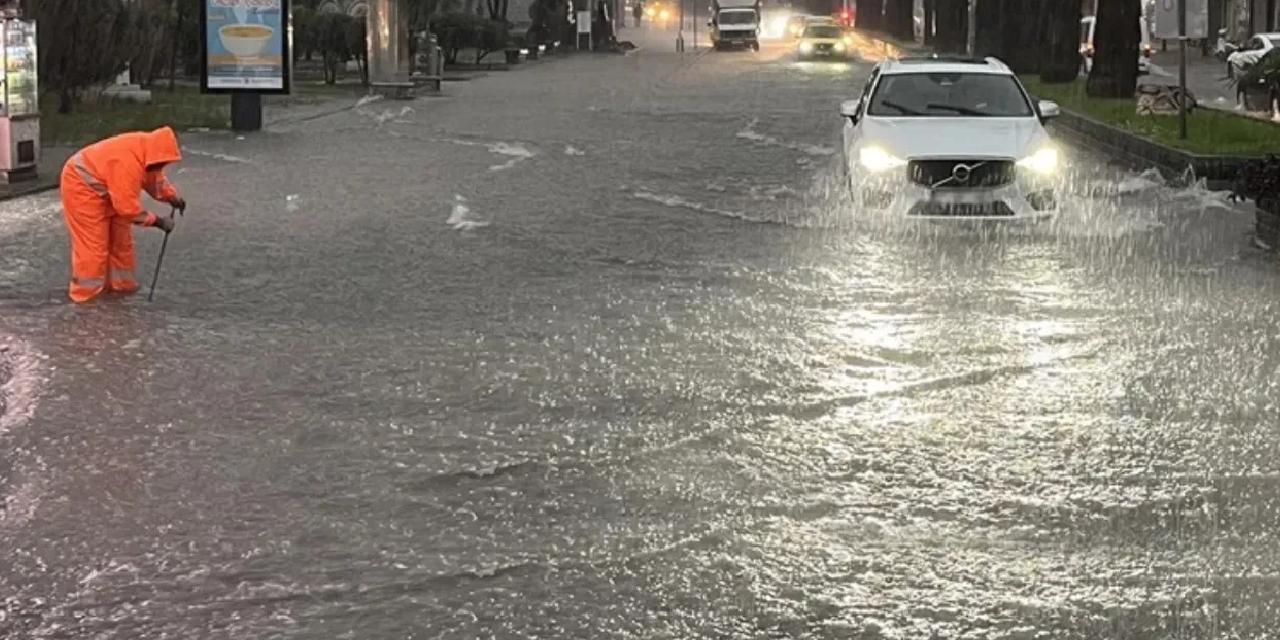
(246, 45)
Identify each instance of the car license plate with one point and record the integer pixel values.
(954, 196)
(963, 209)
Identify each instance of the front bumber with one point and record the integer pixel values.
(1027, 200)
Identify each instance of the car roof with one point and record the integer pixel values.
(819, 19)
(936, 63)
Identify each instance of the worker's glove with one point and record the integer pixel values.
(179, 204)
(164, 223)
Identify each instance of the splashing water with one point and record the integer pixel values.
(461, 218)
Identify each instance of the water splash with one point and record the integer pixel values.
(21, 379)
(461, 218)
(749, 133)
(217, 156)
(517, 152)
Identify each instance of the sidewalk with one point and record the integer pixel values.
(1206, 78)
(51, 161)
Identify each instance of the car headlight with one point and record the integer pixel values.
(876, 159)
(1044, 162)
(806, 47)
(664, 15)
(839, 46)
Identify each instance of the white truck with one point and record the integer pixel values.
(735, 23)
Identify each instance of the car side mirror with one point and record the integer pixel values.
(851, 108)
(1049, 110)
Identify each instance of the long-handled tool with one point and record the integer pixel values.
(159, 261)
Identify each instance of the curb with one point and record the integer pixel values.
(29, 191)
(1219, 172)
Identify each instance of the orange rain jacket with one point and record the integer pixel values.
(101, 199)
(115, 170)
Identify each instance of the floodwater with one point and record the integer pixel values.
(594, 349)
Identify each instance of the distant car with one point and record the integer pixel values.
(945, 138)
(823, 41)
(795, 26)
(1251, 52)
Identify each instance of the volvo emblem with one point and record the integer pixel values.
(960, 173)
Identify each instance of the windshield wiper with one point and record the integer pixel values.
(964, 111)
(901, 109)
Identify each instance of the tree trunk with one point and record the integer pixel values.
(173, 45)
(1024, 29)
(1011, 30)
(66, 100)
(1060, 62)
(952, 19)
(870, 15)
(988, 33)
(898, 19)
(930, 19)
(1115, 50)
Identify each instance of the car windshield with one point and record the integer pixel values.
(822, 32)
(984, 95)
(737, 17)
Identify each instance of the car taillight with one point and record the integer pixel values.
(1147, 51)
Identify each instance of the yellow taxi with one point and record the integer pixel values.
(823, 41)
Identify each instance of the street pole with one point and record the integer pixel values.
(694, 4)
(972, 36)
(1182, 69)
(680, 31)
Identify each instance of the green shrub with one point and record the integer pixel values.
(457, 30)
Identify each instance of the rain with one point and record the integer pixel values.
(599, 348)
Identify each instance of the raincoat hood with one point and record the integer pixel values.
(160, 147)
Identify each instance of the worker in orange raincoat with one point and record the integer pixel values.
(101, 201)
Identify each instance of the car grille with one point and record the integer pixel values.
(822, 47)
(961, 209)
(982, 173)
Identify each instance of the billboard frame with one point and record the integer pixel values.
(286, 51)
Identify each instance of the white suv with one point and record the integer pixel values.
(947, 138)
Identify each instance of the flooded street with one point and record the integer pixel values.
(596, 349)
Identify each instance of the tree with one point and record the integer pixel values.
(357, 46)
(1060, 60)
(1115, 50)
(899, 19)
(1011, 30)
(83, 43)
(929, 19)
(497, 9)
(333, 42)
(151, 25)
(870, 15)
(952, 25)
(304, 33)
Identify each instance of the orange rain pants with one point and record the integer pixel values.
(101, 187)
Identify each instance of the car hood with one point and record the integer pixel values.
(955, 137)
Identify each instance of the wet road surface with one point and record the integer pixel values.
(594, 349)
